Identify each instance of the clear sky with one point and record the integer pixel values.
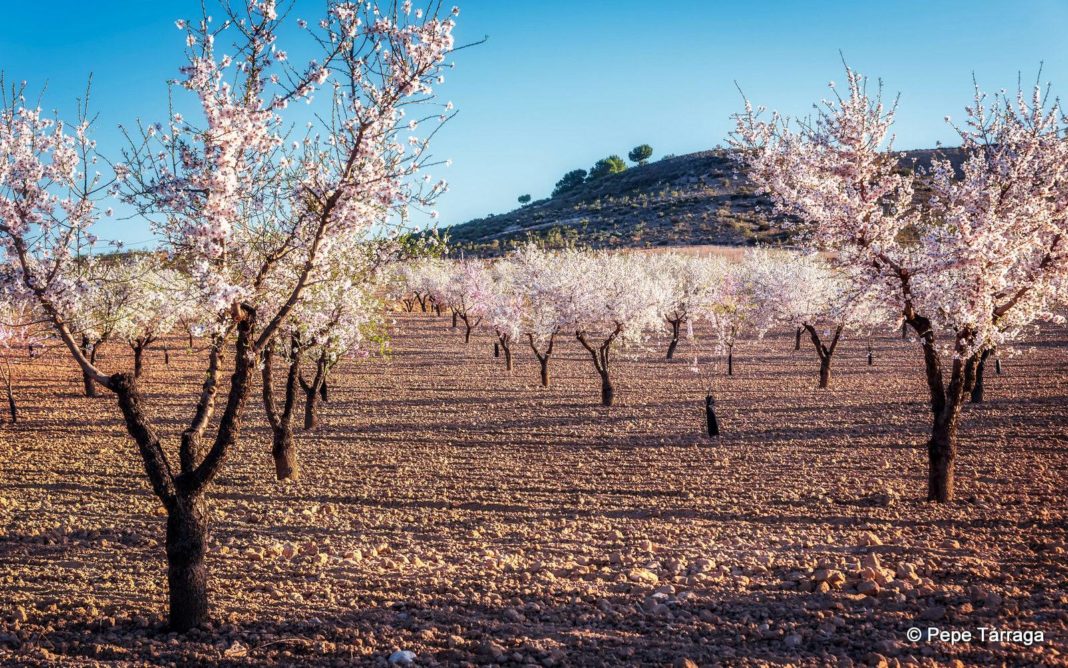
(561, 83)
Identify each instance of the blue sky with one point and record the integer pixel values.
(561, 83)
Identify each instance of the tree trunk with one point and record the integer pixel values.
(283, 450)
(997, 365)
(496, 350)
(608, 393)
(945, 410)
(454, 324)
(311, 413)
(600, 356)
(190, 340)
(12, 408)
(286, 464)
(187, 574)
(467, 331)
(507, 357)
(314, 391)
(977, 382)
(166, 356)
(825, 372)
(437, 309)
(969, 373)
(730, 361)
(674, 338)
(711, 424)
(941, 453)
(139, 360)
(89, 350)
(825, 352)
(543, 358)
(797, 339)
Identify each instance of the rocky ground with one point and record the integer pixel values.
(450, 514)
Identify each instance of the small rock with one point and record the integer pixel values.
(402, 657)
(643, 575)
(235, 650)
(868, 588)
(868, 539)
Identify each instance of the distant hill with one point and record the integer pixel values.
(695, 199)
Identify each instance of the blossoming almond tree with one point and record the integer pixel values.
(332, 320)
(801, 290)
(230, 204)
(728, 307)
(19, 339)
(468, 283)
(540, 277)
(979, 262)
(610, 298)
(156, 299)
(689, 281)
(503, 305)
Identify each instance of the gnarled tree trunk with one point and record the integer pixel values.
(12, 407)
(601, 359)
(505, 342)
(543, 358)
(945, 409)
(315, 390)
(187, 572)
(977, 380)
(676, 324)
(826, 353)
(89, 349)
(283, 450)
(797, 339)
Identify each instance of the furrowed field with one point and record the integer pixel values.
(258, 408)
(450, 509)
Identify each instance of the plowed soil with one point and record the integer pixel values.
(469, 516)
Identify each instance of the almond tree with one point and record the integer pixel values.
(801, 290)
(156, 298)
(230, 205)
(979, 262)
(19, 339)
(503, 305)
(727, 306)
(689, 282)
(540, 276)
(610, 298)
(332, 320)
(468, 281)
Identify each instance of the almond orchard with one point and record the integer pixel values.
(300, 429)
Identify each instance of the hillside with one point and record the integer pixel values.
(693, 199)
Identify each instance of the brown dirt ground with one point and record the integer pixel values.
(470, 516)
